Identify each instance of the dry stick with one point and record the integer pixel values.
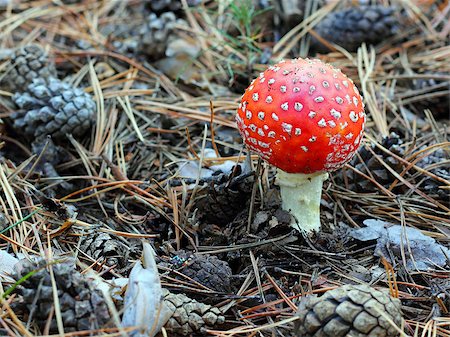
(190, 147)
(252, 200)
(257, 275)
(211, 107)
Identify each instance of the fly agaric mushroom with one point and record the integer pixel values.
(306, 118)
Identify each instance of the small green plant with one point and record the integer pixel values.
(243, 38)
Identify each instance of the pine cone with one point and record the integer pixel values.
(438, 105)
(53, 108)
(205, 269)
(161, 6)
(82, 306)
(157, 33)
(190, 316)
(351, 27)
(29, 62)
(105, 249)
(225, 197)
(429, 185)
(371, 164)
(357, 311)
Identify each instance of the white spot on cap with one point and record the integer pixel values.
(271, 81)
(304, 148)
(252, 127)
(312, 114)
(326, 84)
(319, 99)
(347, 97)
(343, 125)
(338, 87)
(298, 131)
(312, 139)
(323, 71)
(353, 116)
(298, 106)
(286, 72)
(322, 123)
(345, 83)
(349, 136)
(240, 105)
(266, 127)
(312, 88)
(339, 100)
(250, 88)
(255, 97)
(269, 99)
(355, 101)
(271, 134)
(253, 140)
(336, 114)
(296, 89)
(357, 140)
(263, 145)
(332, 124)
(286, 127)
(261, 115)
(248, 114)
(262, 80)
(283, 88)
(285, 106)
(261, 132)
(275, 117)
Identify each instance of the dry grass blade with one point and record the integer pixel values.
(366, 67)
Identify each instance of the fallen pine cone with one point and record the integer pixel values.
(350, 310)
(29, 62)
(53, 107)
(352, 26)
(103, 248)
(82, 306)
(189, 316)
(204, 268)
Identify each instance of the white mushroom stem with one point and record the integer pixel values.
(300, 195)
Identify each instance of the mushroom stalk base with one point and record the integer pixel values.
(300, 195)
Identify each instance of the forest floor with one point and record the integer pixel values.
(162, 161)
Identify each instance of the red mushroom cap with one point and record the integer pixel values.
(302, 116)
